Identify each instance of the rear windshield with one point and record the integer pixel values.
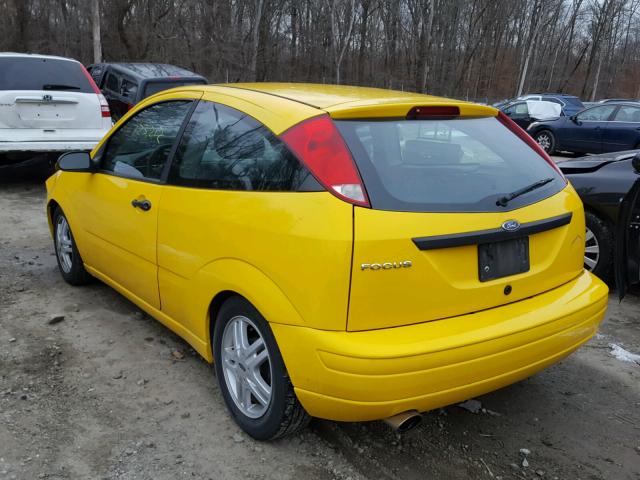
(155, 87)
(461, 165)
(20, 73)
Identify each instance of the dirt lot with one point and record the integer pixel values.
(109, 393)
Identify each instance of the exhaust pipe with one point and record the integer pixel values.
(405, 421)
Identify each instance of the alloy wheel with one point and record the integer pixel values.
(544, 140)
(247, 367)
(591, 251)
(64, 244)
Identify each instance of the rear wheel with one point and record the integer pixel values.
(598, 254)
(251, 374)
(69, 260)
(546, 140)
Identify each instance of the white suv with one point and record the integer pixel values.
(48, 104)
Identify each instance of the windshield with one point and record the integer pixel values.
(33, 73)
(573, 101)
(460, 165)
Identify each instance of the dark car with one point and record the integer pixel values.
(610, 127)
(525, 112)
(570, 103)
(608, 185)
(125, 84)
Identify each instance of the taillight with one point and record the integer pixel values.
(524, 136)
(318, 144)
(104, 106)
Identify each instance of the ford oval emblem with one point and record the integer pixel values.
(511, 225)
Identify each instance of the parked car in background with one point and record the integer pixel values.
(125, 84)
(48, 104)
(608, 186)
(608, 100)
(570, 103)
(609, 127)
(525, 112)
(341, 252)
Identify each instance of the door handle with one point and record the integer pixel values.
(144, 205)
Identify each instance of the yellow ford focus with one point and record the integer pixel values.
(339, 252)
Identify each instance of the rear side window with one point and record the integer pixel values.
(129, 89)
(112, 83)
(140, 148)
(628, 114)
(597, 114)
(155, 87)
(459, 165)
(223, 148)
(20, 73)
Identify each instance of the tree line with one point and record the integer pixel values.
(474, 49)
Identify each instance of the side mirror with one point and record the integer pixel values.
(635, 161)
(75, 162)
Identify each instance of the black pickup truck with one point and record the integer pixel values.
(125, 84)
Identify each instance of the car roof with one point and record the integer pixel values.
(345, 97)
(35, 55)
(152, 70)
(550, 94)
(282, 105)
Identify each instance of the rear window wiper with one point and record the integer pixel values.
(59, 86)
(503, 201)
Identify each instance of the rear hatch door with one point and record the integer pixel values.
(39, 95)
(440, 238)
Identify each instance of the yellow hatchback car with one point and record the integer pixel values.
(338, 252)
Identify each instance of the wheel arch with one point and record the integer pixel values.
(51, 208)
(214, 307)
(231, 277)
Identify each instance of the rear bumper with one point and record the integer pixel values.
(62, 146)
(357, 376)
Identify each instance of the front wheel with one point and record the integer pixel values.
(251, 374)
(69, 261)
(598, 254)
(546, 140)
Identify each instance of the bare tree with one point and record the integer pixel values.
(97, 42)
(343, 14)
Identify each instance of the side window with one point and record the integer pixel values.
(596, 114)
(628, 114)
(140, 148)
(112, 83)
(129, 89)
(225, 149)
(521, 109)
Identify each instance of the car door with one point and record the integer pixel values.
(519, 113)
(627, 251)
(623, 133)
(118, 205)
(583, 132)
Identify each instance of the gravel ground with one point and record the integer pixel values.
(91, 387)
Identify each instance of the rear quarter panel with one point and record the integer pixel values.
(288, 253)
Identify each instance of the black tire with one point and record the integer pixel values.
(547, 140)
(604, 237)
(284, 415)
(75, 275)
